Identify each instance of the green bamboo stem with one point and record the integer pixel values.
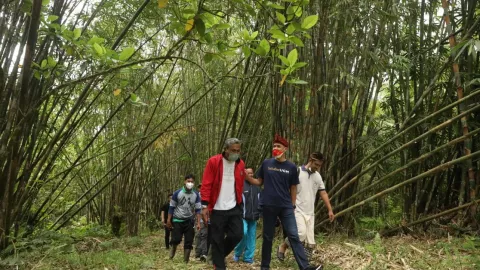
(441, 167)
(404, 146)
(381, 147)
(417, 160)
(452, 210)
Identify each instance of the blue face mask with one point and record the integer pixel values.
(233, 157)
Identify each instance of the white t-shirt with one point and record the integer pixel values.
(310, 183)
(226, 199)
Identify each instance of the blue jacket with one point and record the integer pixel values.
(251, 197)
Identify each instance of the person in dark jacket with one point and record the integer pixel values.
(164, 217)
(251, 213)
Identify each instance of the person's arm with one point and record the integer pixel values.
(293, 194)
(162, 214)
(171, 209)
(205, 190)
(198, 210)
(254, 181)
(326, 200)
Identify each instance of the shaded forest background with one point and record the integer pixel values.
(105, 105)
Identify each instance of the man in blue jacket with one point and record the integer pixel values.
(251, 213)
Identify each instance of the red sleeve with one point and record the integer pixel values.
(207, 182)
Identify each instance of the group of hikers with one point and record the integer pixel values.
(226, 209)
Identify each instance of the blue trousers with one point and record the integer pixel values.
(248, 241)
(287, 217)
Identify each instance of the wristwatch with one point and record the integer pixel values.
(294, 206)
(204, 206)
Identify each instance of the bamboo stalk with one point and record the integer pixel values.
(404, 146)
(446, 212)
(382, 147)
(408, 165)
(440, 167)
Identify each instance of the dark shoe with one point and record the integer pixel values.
(203, 258)
(314, 267)
(280, 255)
(186, 255)
(172, 252)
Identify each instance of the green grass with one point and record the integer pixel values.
(101, 251)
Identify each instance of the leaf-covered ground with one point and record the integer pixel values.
(336, 252)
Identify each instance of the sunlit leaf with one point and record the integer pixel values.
(126, 53)
(246, 51)
(52, 18)
(162, 3)
(117, 92)
(297, 41)
(280, 17)
(265, 45)
(292, 56)
(221, 26)
(77, 33)
(284, 60)
(297, 82)
(189, 25)
(309, 21)
(98, 49)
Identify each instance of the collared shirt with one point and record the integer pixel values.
(310, 183)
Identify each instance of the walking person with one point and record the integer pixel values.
(201, 237)
(310, 182)
(222, 188)
(164, 217)
(184, 205)
(251, 213)
(280, 179)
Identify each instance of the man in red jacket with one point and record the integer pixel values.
(222, 188)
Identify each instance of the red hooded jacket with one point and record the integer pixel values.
(212, 180)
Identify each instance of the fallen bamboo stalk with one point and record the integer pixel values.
(446, 212)
(441, 167)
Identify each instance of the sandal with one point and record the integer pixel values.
(280, 255)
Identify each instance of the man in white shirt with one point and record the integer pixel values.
(310, 182)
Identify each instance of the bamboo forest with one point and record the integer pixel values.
(107, 108)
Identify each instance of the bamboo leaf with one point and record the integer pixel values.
(265, 45)
(98, 49)
(77, 33)
(126, 53)
(189, 25)
(284, 60)
(280, 17)
(246, 51)
(296, 41)
(200, 26)
(52, 18)
(309, 21)
(292, 56)
(297, 82)
(162, 3)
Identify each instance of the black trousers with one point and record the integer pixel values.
(183, 229)
(227, 232)
(167, 237)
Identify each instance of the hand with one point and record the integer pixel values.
(198, 226)
(331, 216)
(205, 215)
(169, 224)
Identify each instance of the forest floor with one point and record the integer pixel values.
(335, 252)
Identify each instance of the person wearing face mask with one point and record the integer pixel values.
(279, 178)
(184, 205)
(222, 189)
(310, 182)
